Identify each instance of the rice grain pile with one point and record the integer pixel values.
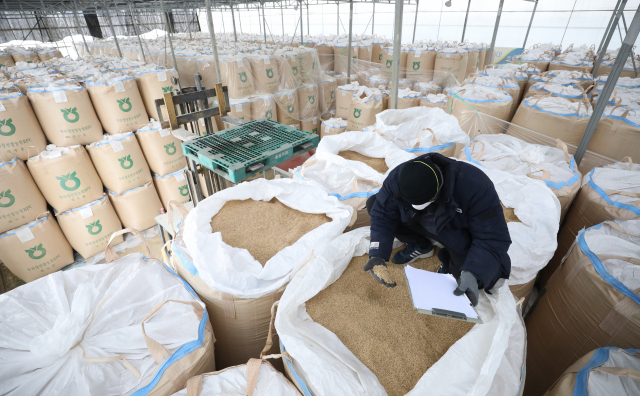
(8, 279)
(509, 214)
(381, 327)
(377, 164)
(263, 228)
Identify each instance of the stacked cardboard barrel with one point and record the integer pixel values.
(66, 184)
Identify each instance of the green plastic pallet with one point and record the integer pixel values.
(242, 151)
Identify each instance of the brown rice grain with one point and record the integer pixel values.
(382, 328)
(378, 164)
(263, 228)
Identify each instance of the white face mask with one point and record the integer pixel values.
(420, 207)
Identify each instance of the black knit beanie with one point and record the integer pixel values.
(419, 181)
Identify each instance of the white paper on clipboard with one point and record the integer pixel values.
(431, 290)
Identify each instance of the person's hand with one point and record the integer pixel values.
(468, 284)
(378, 269)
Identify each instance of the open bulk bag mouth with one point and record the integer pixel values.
(585, 78)
(509, 73)
(628, 70)
(131, 326)
(65, 176)
(408, 98)
(264, 106)
(554, 166)
(343, 100)
(571, 64)
(351, 181)
(237, 75)
(20, 198)
(556, 117)
(288, 111)
(365, 104)
(617, 133)
(66, 114)
(510, 86)
(591, 301)
(421, 130)
(466, 101)
(34, 250)
(172, 187)
(574, 93)
(450, 60)
(19, 127)
(437, 101)
(611, 192)
(89, 227)
(234, 271)
(118, 103)
(153, 84)
(161, 149)
(333, 126)
(119, 161)
(137, 208)
(539, 60)
(325, 367)
(604, 370)
(429, 87)
(533, 237)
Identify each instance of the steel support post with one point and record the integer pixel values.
(613, 14)
(338, 18)
(233, 18)
(612, 29)
(397, 51)
(308, 25)
(610, 84)
(415, 22)
(113, 31)
(173, 53)
(526, 36)
(466, 17)
(186, 18)
(282, 16)
(633, 56)
(495, 33)
(75, 16)
(264, 25)
(301, 27)
(373, 17)
(135, 26)
(350, 38)
(214, 46)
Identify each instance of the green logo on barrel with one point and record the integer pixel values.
(270, 73)
(126, 160)
(312, 99)
(33, 250)
(167, 89)
(315, 130)
(380, 57)
(4, 124)
(96, 225)
(416, 65)
(268, 114)
(124, 105)
(290, 108)
(184, 191)
(332, 94)
(6, 194)
(67, 178)
(356, 113)
(389, 63)
(71, 115)
(243, 76)
(294, 69)
(170, 148)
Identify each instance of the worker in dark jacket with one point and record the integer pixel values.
(452, 202)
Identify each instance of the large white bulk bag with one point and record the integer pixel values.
(574, 93)
(607, 370)
(512, 88)
(236, 288)
(161, 149)
(89, 227)
(552, 165)
(128, 327)
(153, 84)
(65, 176)
(585, 78)
(572, 64)
(119, 161)
(508, 71)
(352, 182)
(66, 114)
(591, 301)
(19, 127)
(137, 208)
(257, 378)
(421, 130)
(408, 98)
(325, 367)
(35, 249)
(427, 88)
(20, 198)
(438, 101)
(466, 101)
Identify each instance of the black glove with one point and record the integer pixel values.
(381, 273)
(468, 284)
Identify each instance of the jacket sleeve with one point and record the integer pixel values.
(385, 218)
(490, 238)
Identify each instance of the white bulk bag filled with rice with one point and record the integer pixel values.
(434, 100)
(235, 271)
(552, 165)
(421, 130)
(488, 360)
(82, 331)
